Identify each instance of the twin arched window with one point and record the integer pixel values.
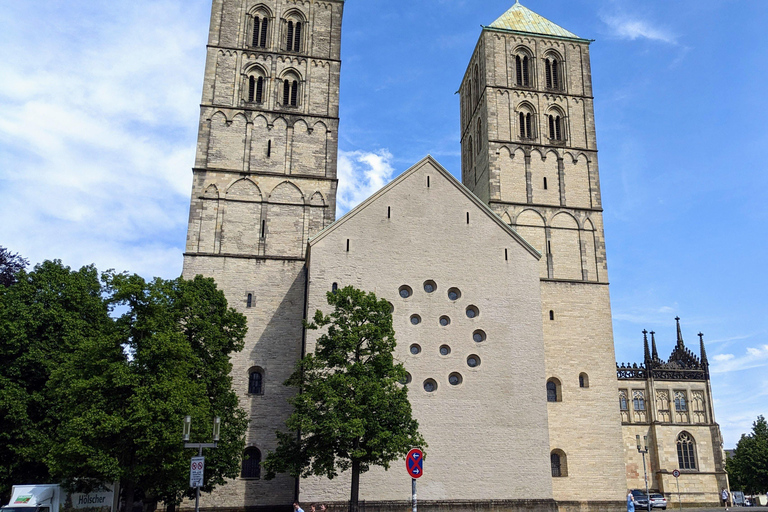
(552, 67)
(255, 89)
(523, 70)
(290, 91)
(556, 131)
(260, 27)
(293, 36)
(526, 125)
(251, 463)
(680, 402)
(686, 451)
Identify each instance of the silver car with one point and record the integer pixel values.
(658, 501)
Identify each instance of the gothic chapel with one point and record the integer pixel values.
(499, 283)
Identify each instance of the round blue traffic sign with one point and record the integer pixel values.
(414, 463)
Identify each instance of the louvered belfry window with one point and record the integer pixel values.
(526, 74)
(293, 41)
(286, 92)
(553, 74)
(294, 93)
(251, 88)
(259, 38)
(260, 90)
(289, 42)
(297, 37)
(256, 31)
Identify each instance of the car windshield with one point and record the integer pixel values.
(656, 496)
(638, 493)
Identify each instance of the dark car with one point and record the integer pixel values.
(641, 499)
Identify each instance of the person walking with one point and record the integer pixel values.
(724, 496)
(297, 507)
(630, 502)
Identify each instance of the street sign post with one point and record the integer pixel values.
(676, 474)
(414, 463)
(196, 470)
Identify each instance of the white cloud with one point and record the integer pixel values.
(755, 357)
(628, 27)
(361, 173)
(97, 136)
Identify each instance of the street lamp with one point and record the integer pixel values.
(644, 449)
(215, 444)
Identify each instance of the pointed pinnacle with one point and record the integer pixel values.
(680, 343)
(653, 344)
(704, 360)
(645, 342)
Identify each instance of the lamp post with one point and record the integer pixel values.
(644, 449)
(200, 446)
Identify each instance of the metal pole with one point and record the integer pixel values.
(679, 501)
(197, 489)
(645, 475)
(413, 492)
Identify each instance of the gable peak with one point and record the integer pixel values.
(521, 19)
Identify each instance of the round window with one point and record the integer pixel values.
(415, 319)
(391, 307)
(472, 312)
(473, 361)
(478, 336)
(455, 379)
(454, 294)
(430, 385)
(405, 291)
(445, 350)
(444, 321)
(406, 380)
(415, 349)
(430, 286)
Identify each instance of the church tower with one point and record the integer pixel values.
(264, 183)
(529, 151)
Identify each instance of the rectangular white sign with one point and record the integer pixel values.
(196, 470)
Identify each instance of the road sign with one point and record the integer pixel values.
(196, 470)
(676, 473)
(414, 463)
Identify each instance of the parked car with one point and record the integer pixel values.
(658, 501)
(641, 499)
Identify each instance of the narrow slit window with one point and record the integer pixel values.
(263, 228)
(389, 212)
(555, 75)
(256, 31)
(251, 88)
(289, 45)
(545, 183)
(549, 247)
(427, 181)
(551, 314)
(519, 69)
(347, 244)
(269, 148)
(249, 301)
(335, 287)
(548, 68)
(295, 93)
(467, 217)
(526, 79)
(260, 90)
(506, 254)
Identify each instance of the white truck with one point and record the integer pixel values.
(54, 498)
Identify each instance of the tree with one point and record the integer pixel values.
(10, 265)
(352, 412)
(123, 395)
(44, 316)
(748, 468)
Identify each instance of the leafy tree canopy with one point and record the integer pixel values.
(10, 265)
(103, 370)
(748, 468)
(352, 410)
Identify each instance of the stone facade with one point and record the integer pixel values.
(529, 403)
(529, 151)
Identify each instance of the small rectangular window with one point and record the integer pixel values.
(347, 244)
(506, 254)
(389, 212)
(545, 183)
(467, 217)
(263, 228)
(427, 181)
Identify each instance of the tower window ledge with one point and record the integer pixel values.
(556, 142)
(554, 89)
(528, 139)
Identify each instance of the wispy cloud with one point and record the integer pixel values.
(361, 173)
(755, 357)
(626, 26)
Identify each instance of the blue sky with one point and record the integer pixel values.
(100, 98)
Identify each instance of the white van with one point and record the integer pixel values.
(53, 498)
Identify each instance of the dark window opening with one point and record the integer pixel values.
(251, 88)
(506, 254)
(467, 217)
(545, 183)
(427, 181)
(529, 126)
(548, 68)
(260, 90)
(297, 38)
(555, 128)
(347, 244)
(295, 93)
(289, 42)
(263, 228)
(389, 212)
(255, 383)
(551, 392)
(519, 70)
(263, 41)
(556, 468)
(555, 77)
(251, 463)
(582, 383)
(249, 301)
(526, 79)
(686, 456)
(335, 287)
(269, 148)
(259, 38)
(286, 92)
(256, 31)
(551, 314)
(549, 247)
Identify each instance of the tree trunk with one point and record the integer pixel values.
(129, 489)
(355, 494)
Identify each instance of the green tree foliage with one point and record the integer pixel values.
(351, 412)
(10, 265)
(123, 396)
(44, 316)
(99, 371)
(748, 468)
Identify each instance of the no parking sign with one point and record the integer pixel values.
(414, 463)
(196, 470)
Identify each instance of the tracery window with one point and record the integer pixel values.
(251, 463)
(680, 402)
(623, 404)
(638, 400)
(686, 451)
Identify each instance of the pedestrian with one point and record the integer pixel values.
(724, 496)
(297, 507)
(312, 508)
(630, 502)
(323, 508)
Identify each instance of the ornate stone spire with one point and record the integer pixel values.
(704, 360)
(653, 344)
(680, 343)
(647, 352)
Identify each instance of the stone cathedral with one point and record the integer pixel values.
(499, 284)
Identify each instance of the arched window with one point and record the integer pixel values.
(477, 84)
(557, 461)
(525, 120)
(623, 404)
(255, 86)
(583, 380)
(293, 36)
(259, 35)
(556, 127)
(553, 391)
(552, 67)
(686, 451)
(251, 463)
(249, 301)
(638, 400)
(470, 152)
(290, 91)
(523, 69)
(256, 381)
(479, 135)
(335, 287)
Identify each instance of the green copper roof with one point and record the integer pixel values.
(522, 19)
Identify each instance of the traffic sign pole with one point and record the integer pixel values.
(414, 464)
(413, 491)
(676, 474)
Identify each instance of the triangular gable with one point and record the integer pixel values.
(428, 160)
(521, 19)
